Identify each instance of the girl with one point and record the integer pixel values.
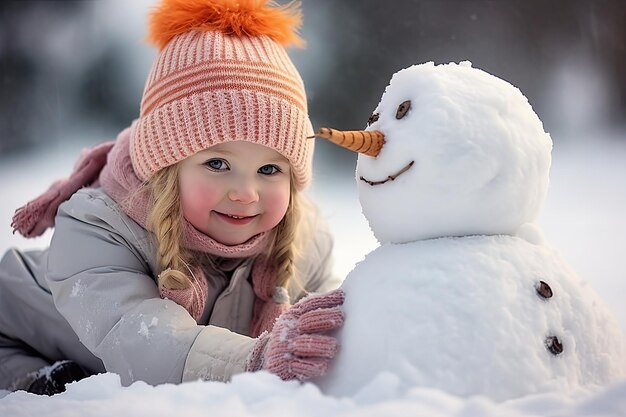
(181, 258)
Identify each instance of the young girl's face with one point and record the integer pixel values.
(235, 190)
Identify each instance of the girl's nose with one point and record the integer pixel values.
(243, 192)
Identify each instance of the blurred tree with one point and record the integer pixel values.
(25, 80)
(522, 41)
(69, 66)
(59, 75)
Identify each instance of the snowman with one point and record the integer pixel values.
(462, 294)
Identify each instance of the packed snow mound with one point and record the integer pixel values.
(464, 295)
(265, 395)
(478, 315)
(480, 156)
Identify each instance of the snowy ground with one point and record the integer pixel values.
(584, 218)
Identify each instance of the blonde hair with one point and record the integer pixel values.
(165, 220)
(283, 247)
(175, 263)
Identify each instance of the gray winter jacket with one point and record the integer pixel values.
(101, 275)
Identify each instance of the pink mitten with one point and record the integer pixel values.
(295, 349)
(35, 217)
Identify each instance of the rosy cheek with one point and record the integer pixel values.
(276, 203)
(197, 200)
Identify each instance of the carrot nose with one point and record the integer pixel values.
(363, 141)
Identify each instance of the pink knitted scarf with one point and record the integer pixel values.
(109, 165)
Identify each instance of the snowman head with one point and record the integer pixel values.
(464, 154)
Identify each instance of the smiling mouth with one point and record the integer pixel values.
(390, 177)
(234, 219)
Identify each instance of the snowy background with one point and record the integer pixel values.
(583, 216)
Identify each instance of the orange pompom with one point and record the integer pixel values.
(233, 17)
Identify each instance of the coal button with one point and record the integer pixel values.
(543, 289)
(554, 345)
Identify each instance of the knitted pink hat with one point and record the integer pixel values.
(222, 74)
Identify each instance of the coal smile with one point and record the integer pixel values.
(390, 177)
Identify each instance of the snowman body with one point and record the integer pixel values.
(455, 298)
(477, 315)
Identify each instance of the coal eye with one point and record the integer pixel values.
(403, 108)
(372, 119)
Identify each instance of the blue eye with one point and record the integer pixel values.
(216, 164)
(269, 170)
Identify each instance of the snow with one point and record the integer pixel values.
(144, 328)
(463, 315)
(583, 218)
(449, 299)
(263, 394)
(471, 137)
(77, 289)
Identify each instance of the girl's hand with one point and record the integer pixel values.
(295, 348)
